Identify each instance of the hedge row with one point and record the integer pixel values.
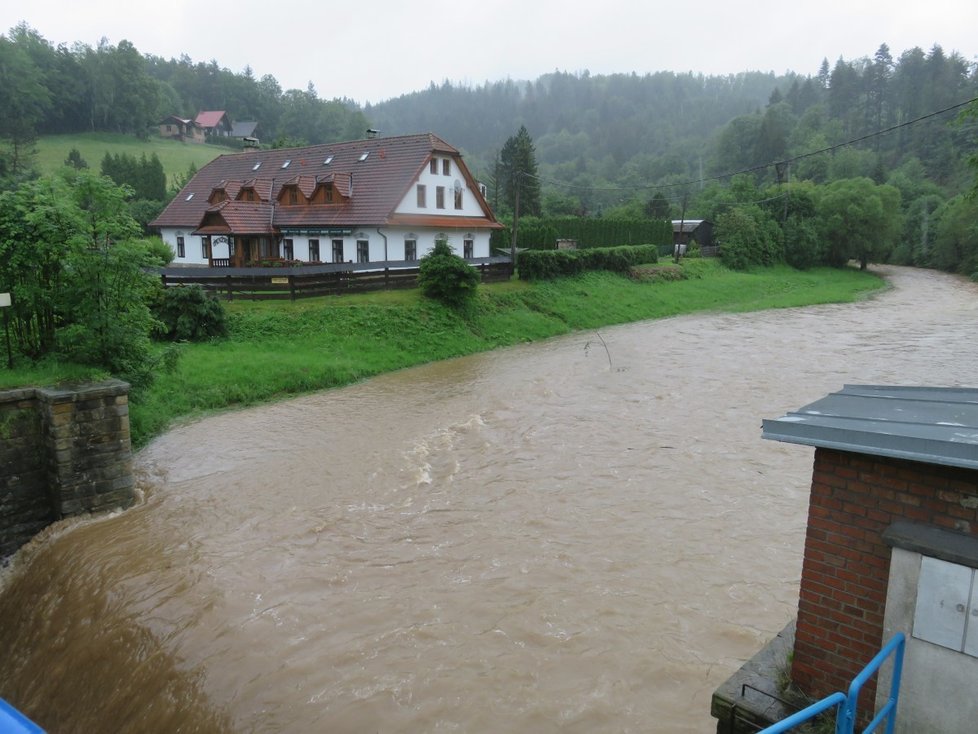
(547, 264)
(543, 233)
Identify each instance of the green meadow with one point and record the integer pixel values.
(176, 157)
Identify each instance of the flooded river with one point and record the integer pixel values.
(575, 536)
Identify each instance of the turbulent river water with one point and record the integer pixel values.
(581, 535)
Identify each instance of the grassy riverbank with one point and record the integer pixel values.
(280, 349)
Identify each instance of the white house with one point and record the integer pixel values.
(373, 200)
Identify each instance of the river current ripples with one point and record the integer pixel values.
(581, 535)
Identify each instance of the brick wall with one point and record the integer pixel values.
(854, 498)
(63, 452)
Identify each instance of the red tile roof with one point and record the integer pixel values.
(239, 217)
(373, 186)
(305, 184)
(210, 118)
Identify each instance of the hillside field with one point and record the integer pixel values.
(176, 157)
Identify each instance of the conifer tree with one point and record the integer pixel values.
(518, 173)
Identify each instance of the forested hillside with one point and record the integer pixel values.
(630, 131)
(621, 145)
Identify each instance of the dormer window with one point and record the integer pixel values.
(287, 163)
(329, 159)
(293, 196)
(328, 192)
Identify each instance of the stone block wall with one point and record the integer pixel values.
(854, 499)
(25, 507)
(63, 452)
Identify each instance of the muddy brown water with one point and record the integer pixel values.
(576, 536)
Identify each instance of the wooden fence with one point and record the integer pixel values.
(316, 280)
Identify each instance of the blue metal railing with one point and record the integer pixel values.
(14, 722)
(846, 705)
(893, 647)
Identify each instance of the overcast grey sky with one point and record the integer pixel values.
(373, 50)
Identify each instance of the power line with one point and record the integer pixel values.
(759, 167)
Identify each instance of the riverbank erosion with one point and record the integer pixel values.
(572, 535)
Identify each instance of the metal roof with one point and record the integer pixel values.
(935, 425)
(688, 225)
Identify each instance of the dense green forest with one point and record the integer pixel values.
(749, 150)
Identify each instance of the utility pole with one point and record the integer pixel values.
(787, 192)
(682, 227)
(5, 305)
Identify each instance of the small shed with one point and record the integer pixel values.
(245, 129)
(891, 546)
(685, 231)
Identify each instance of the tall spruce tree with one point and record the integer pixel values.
(518, 173)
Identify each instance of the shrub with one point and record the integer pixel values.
(189, 313)
(802, 246)
(445, 277)
(543, 232)
(160, 252)
(750, 238)
(545, 265)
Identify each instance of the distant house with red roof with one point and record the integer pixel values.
(373, 200)
(214, 122)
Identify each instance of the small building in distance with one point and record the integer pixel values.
(685, 231)
(247, 131)
(181, 129)
(214, 123)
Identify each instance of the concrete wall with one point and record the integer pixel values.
(63, 452)
(854, 499)
(936, 692)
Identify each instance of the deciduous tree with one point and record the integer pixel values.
(68, 257)
(859, 220)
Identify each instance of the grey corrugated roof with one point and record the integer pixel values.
(688, 225)
(936, 425)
